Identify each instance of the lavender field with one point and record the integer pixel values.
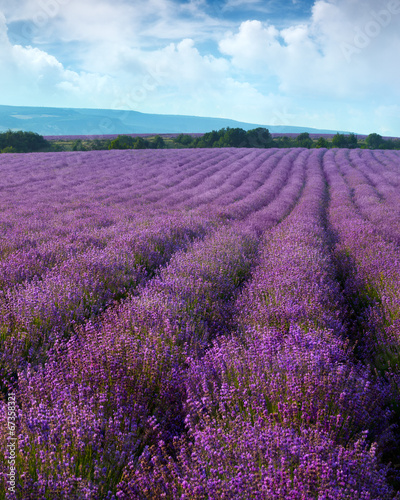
(200, 324)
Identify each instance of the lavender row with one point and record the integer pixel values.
(82, 286)
(187, 176)
(33, 249)
(57, 205)
(374, 270)
(377, 200)
(383, 166)
(124, 375)
(371, 284)
(136, 180)
(250, 434)
(390, 164)
(62, 180)
(280, 194)
(104, 394)
(255, 169)
(233, 178)
(369, 260)
(282, 411)
(262, 189)
(37, 237)
(258, 195)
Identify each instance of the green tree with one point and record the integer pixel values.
(98, 145)
(122, 142)
(140, 143)
(322, 143)
(78, 146)
(212, 139)
(259, 138)
(284, 142)
(235, 138)
(304, 140)
(184, 139)
(8, 149)
(158, 142)
(375, 141)
(392, 144)
(352, 142)
(339, 141)
(23, 142)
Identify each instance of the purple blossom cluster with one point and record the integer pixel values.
(201, 324)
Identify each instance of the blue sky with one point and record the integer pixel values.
(330, 64)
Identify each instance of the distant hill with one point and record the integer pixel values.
(90, 122)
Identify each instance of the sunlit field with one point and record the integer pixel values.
(200, 324)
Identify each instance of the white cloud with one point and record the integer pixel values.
(134, 23)
(253, 46)
(178, 79)
(312, 58)
(181, 64)
(31, 75)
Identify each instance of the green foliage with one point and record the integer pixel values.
(22, 142)
(184, 139)
(339, 141)
(98, 145)
(392, 144)
(352, 142)
(375, 141)
(158, 142)
(235, 138)
(140, 143)
(322, 143)
(259, 138)
(345, 141)
(304, 140)
(8, 149)
(128, 142)
(212, 139)
(284, 142)
(229, 138)
(122, 142)
(78, 146)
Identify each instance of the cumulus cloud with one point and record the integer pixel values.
(254, 46)
(31, 75)
(346, 48)
(178, 79)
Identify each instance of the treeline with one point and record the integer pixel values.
(255, 138)
(237, 138)
(128, 142)
(22, 142)
(261, 138)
